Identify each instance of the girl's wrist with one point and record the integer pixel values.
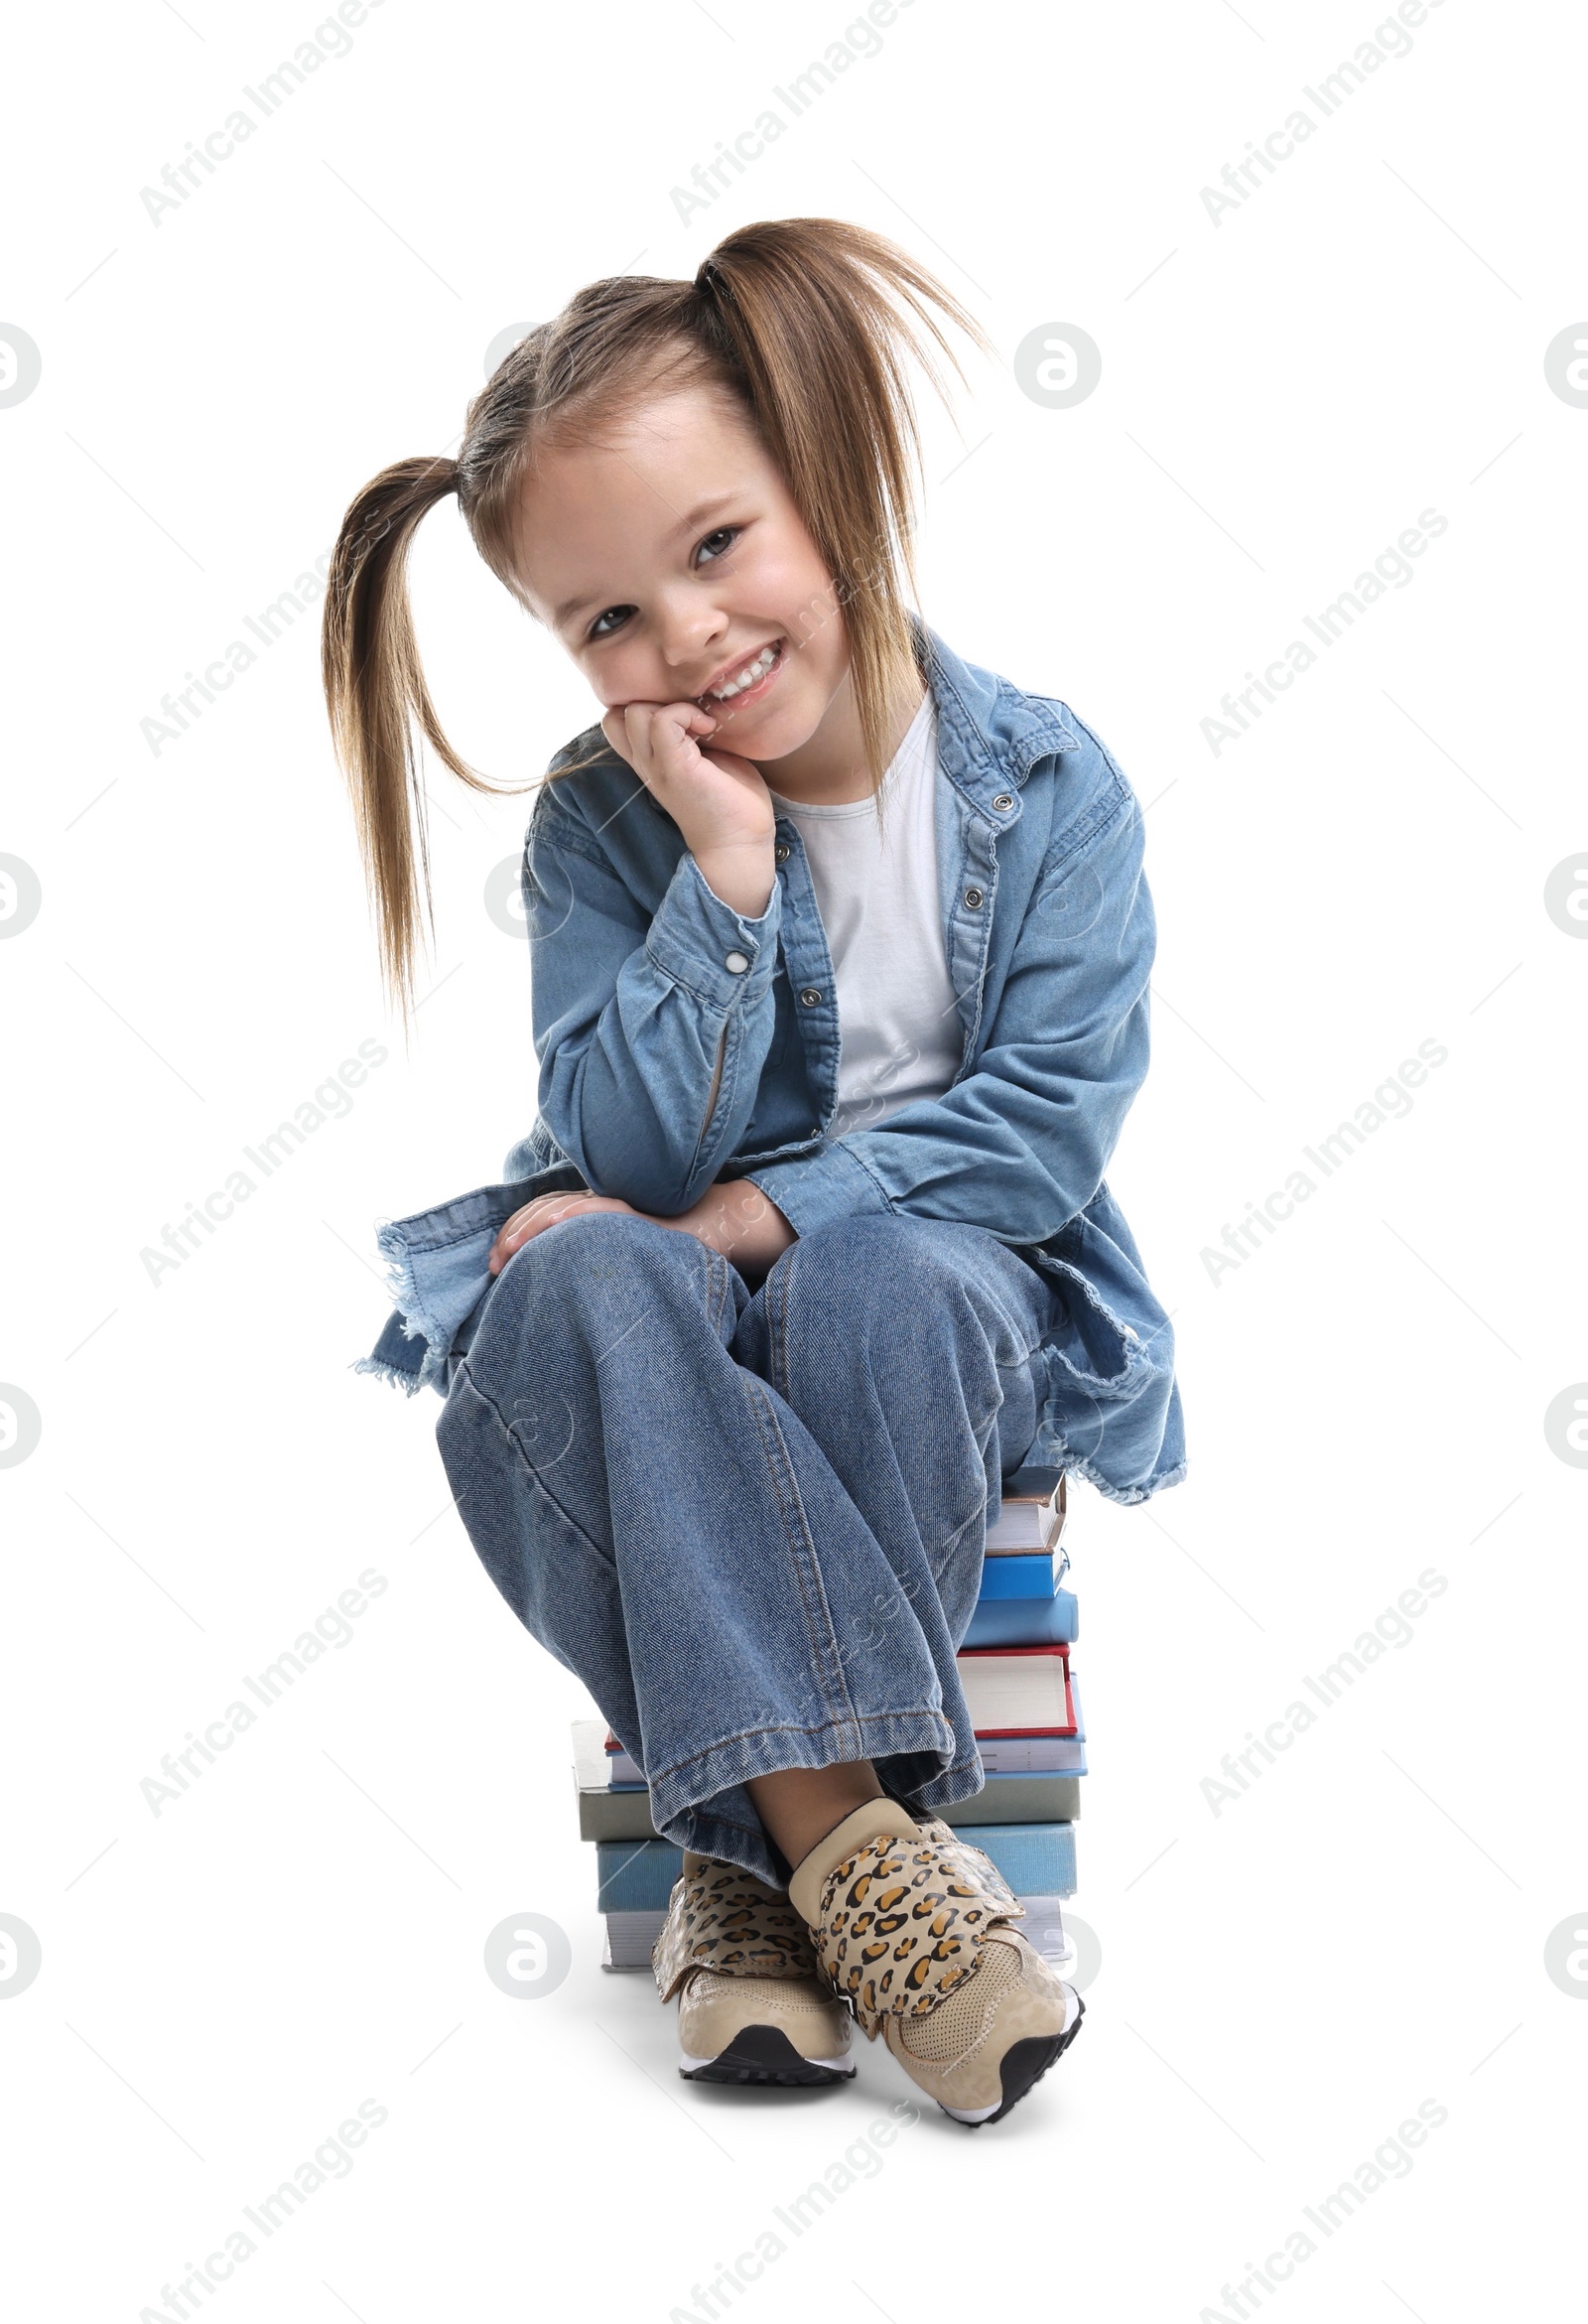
(739, 875)
(737, 1220)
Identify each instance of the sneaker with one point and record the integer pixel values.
(915, 1930)
(752, 2003)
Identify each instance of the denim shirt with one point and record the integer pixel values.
(647, 990)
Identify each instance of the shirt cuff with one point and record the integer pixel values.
(705, 945)
(827, 1185)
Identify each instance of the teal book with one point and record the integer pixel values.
(1037, 1860)
(635, 1875)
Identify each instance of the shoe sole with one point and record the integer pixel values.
(764, 2054)
(1021, 2068)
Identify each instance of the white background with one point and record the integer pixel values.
(1282, 394)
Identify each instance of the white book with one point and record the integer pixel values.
(1038, 1754)
(1043, 1928)
(1027, 1522)
(1012, 1690)
(629, 1938)
(594, 1767)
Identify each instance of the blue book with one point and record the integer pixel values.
(1023, 1576)
(1037, 1860)
(1025, 1621)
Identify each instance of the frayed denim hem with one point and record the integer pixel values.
(1127, 1496)
(408, 1382)
(1052, 1448)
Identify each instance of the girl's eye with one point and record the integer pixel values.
(717, 544)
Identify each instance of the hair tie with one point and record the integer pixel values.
(710, 283)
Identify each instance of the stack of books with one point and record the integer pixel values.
(1015, 1668)
(1025, 1700)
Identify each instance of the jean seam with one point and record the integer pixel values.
(466, 1376)
(775, 1303)
(718, 1272)
(802, 1550)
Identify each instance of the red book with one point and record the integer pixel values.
(1018, 1689)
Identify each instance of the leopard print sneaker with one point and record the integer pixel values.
(752, 2003)
(917, 1932)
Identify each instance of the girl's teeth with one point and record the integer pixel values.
(749, 677)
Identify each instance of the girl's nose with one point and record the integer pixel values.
(688, 632)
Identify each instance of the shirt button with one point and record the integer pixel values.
(974, 898)
(810, 997)
(1003, 801)
(780, 852)
(735, 964)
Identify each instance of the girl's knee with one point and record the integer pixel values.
(863, 1285)
(871, 1262)
(600, 1247)
(575, 1284)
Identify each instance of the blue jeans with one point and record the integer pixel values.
(751, 1523)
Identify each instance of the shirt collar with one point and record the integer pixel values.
(990, 733)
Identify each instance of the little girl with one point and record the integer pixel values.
(840, 951)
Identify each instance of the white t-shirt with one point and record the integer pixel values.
(876, 889)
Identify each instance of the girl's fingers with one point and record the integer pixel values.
(682, 727)
(656, 737)
(676, 748)
(522, 1227)
(547, 1210)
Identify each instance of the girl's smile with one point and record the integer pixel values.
(745, 679)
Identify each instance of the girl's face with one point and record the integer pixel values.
(671, 562)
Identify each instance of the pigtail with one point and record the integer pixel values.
(810, 316)
(375, 691)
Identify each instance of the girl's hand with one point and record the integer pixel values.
(733, 1217)
(548, 1210)
(718, 801)
(738, 1219)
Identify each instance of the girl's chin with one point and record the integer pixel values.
(771, 732)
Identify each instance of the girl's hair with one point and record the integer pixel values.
(800, 320)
